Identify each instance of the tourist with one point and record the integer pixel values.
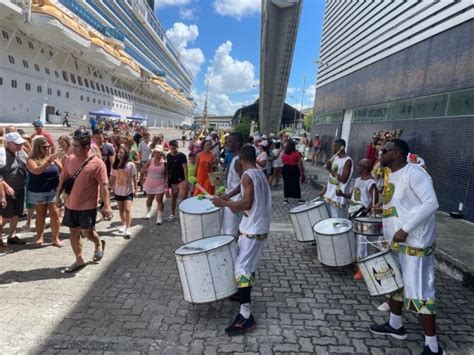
(277, 165)
(262, 157)
(194, 146)
(107, 151)
(43, 179)
(176, 163)
(205, 164)
(409, 208)
(256, 201)
(13, 175)
(64, 148)
(40, 131)
(340, 171)
(292, 171)
(123, 180)
(133, 155)
(81, 204)
(316, 150)
(156, 183)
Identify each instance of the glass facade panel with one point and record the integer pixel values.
(431, 106)
(461, 103)
(376, 113)
(400, 110)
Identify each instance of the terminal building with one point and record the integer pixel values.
(402, 65)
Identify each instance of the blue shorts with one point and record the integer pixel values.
(38, 198)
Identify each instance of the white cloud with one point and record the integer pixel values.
(293, 96)
(181, 36)
(217, 103)
(187, 13)
(226, 74)
(237, 8)
(165, 3)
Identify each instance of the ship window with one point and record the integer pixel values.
(50, 53)
(37, 68)
(73, 78)
(1, 81)
(65, 76)
(88, 99)
(107, 89)
(95, 74)
(5, 34)
(86, 82)
(39, 88)
(27, 86)
(56, 74)
(50, 91)
(14, 83)
(102, 87)
(93, 100)
(67, 95)
(31, 45)
(18, 40)
(58, 93)
(25, 63)
(11, 59)
(47, 71)
(99, 102)
(92, 85)
(82, 98)
(79, 80)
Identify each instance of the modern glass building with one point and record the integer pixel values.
(403, 65)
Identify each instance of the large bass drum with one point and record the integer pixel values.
(305, 216)
(335, 241)
(206, 269)
(199, 219)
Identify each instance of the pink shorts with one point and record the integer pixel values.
(179, 186)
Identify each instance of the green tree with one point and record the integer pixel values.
(308, 121)
(244, 126)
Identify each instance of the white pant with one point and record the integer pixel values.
(250, 253)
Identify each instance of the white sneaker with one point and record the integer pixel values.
(384, 307)
(127, 234)
(148, 215)
(170, 217)
(159, 220)
(122, 229)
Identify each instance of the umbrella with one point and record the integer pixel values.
(106, 112)
(137, 117)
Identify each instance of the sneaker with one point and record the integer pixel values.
(358, 275)
(386, 329)
(159, 220)
(148, 215)
(427, 351)
(126, 233)
(170, 217)
(240, 325)
(121, 229)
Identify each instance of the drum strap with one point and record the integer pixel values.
(412, 251)
(256, 236)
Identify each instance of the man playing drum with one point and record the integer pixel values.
(362, 196)
(340, 171)
(256, 205)
(409, 206)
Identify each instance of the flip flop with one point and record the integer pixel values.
(58, 244)
(99, 254)
(74, 268)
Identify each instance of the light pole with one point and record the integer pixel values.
(302, 97)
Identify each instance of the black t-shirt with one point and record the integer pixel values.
(175, 167)
(137, 138)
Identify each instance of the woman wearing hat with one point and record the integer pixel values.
(156, 182)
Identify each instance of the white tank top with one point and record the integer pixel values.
(257, 219)
(330, 195)
(233, 179)
(361, 193)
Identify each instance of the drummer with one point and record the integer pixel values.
(362, 198)
(256, 203)
(230, 220)
(409, 207)
(340, 171)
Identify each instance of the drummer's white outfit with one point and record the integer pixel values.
(361, 196)
(337, 204)
(410, 204)
(254, 229)
(230, 220)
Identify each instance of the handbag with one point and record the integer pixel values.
(68, 184)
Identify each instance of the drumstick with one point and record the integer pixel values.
(192, 180)
(373, 203)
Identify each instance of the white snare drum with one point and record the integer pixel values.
(199, 219)
(335, 241)
(381, 273)
(368, 225)
(305, 216)
(206, 269)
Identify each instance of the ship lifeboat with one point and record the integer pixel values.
(53, 26)
(128, 69)
(101, 54)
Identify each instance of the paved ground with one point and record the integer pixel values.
(131, 301)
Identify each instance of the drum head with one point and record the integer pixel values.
(204, 245)
(307, 206)
(194, 205)
(368, 219)
(332, 226)
(373, 256)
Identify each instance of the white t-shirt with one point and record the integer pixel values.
(124, 179)
(263, 156)
(145, 151)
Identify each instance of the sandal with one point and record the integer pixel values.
(170, 217)
(58, 244)
(74, 267)
(99, 254)
(16, 240)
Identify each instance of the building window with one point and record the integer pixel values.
(86, 83)
(102, 87)
(431, 106)
(99, 102)
(400, 110)
(82, 98)
(11, 59)
(14, 84)
(47, 71)
(65, 76)
(88, 99)
(107, 89)
(461, 103)
(25, 63)
(18, 40)
(31, 45)
(5, 34)
(79, 80)
(92, 85)
(67, 95)
(73, 78)
(50, 91)
(37, 68)
(27, 86)
(1, 81)
(58, 93)
(93, 100)
(50, 53)
(39, 89)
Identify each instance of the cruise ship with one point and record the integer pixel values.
(82, 56)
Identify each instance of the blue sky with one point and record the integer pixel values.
(219, 41)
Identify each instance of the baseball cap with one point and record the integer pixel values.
(38, 123)
(14, 137)
(263, 143)
(158, 148)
